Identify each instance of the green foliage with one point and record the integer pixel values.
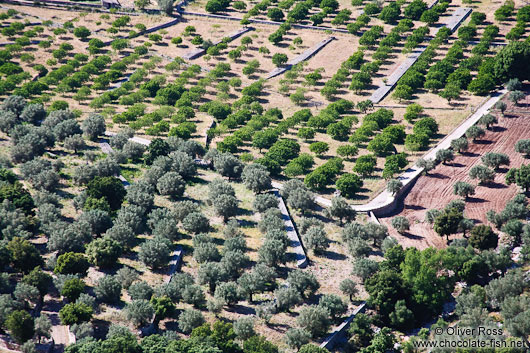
(190, 319)
(279, 59)
(72, 289)
(103, 252)
(139, 311)
(482, 173)
(349, 185)
(519, 176)
(20, 325)
(505, 11)
(447, 222)
(482, 237)
(74, 313)
(314, 319)
(72, 263)
(365, 165)
(163, 307)
(415, 9)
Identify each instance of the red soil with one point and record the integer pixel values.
(436, 189)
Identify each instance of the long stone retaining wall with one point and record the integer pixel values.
(339, 332)
(10, 43)
(67, 5)
(292, 234)
(175, 262)
(148, 30)
(304, 56)
(199, 51)
(385, 203)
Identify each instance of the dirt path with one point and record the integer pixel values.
(436, 190)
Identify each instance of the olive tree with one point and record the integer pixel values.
(93, 126)
(315, 239)
(122, 234)
(226, 206)
(140, 290)
(140, 312)
(297, 337)
(211, 274)
(393, 186)
(256, 177)
(523, 147)
(43, 327)
(348, 287)
(314, 319)
(495, 160)
(126, 276)
(264, 202)
(171, 184)
(155, 253)
(444, 155)
(244, 327)
(133, 150)
(108, 289)
(341, 209)
(426, 164)
(195, 222)
(272, 252)
(488, 120)
(460, 144)
(75, 143)
(304, 282)
(333, 304)
(190, 319)
(474, 132)
(482, 173)
(463, 189)
(227, 293)
(401, 224)
(228, 165)
(286, 298)
(364, 268)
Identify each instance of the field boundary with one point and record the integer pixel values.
(194, 54)
(384, 89)
(292, 234)
(337, 333)
(385, 203)
(264, 22)
(302, 57)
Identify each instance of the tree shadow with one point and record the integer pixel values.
(483, 142)
(475, 200)
(497, 128)
(332, 255)
(414, 207)
(494, 185)
(438, 176)
(244, 212)
(243, 223)
(469, 154)
(411, 236)
(242, 309)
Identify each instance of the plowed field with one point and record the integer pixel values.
(436, 189)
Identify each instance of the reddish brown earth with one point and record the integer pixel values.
(436, 189)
